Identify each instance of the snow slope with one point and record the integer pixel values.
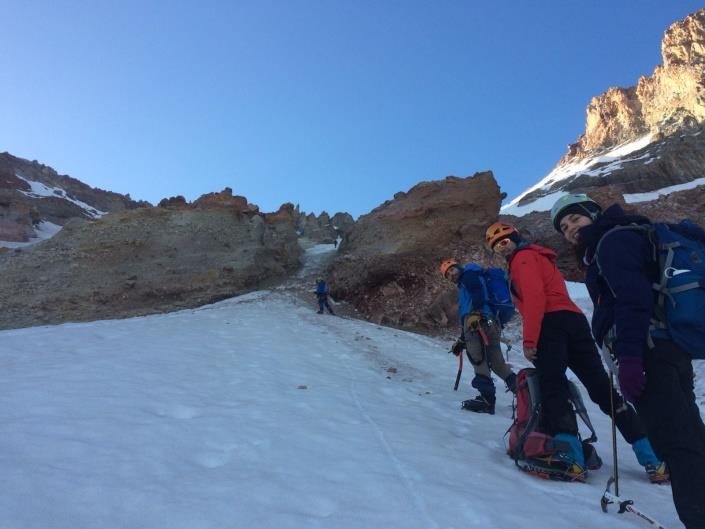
(606, 163)
(256, 412)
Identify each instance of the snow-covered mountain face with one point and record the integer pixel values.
(642, 142)
(257, 412)
(642, 170)
(643, 148)
(663, 179)
(35, 201)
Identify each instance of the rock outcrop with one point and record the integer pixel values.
(642, 138)
(324, 229)
(148, 260)
(671, 100)
(388, 264)
(31, 192)
(643, 147)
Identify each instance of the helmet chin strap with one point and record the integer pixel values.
(592, 214)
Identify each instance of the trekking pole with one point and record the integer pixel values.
(626, 506)
(609, 498)
(614, 437)
(460, 371)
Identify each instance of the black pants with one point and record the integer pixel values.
(323, 302)
(676, 430)
(566, 342)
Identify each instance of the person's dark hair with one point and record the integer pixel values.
(515, 237)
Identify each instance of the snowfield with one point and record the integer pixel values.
(257, 413)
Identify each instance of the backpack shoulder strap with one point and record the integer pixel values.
(647, 229)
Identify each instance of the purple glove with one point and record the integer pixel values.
(631, 377)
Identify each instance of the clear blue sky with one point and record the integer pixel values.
(335, 105)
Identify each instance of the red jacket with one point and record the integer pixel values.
(537, 288)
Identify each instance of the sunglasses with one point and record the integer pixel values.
(501, 244)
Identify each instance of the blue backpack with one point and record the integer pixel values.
(499, 297)
(497, 292)
(679, 311)
(321, 287)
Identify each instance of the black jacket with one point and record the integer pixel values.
(620, 287)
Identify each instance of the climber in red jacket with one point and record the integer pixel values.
(557, 337)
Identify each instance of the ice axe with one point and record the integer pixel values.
(460, 371)
(625, 506)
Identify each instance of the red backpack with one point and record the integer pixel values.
(528, 444)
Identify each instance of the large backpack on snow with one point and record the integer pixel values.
(528, 444)
(678, 251)
(497, 293)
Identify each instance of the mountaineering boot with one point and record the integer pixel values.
(591, 457)
(658, 473)
(320, 312)
(572, 460)
(575, 452)
(480, 404)
(656, 470)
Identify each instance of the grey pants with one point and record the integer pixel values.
(486, 357)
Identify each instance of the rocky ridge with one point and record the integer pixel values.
(671, 100)
(642, 138)
(643, 148)
(148, 260)
(32, 193)
(323, 229)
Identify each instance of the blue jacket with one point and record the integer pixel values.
(621, 287)
(321, 289)
(471, 292)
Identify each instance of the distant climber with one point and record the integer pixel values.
(322, 296)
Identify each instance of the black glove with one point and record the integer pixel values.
(458, 347)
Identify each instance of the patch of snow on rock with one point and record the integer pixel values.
(632, 198)
(40, 190)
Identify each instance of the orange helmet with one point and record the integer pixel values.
(497, 231)
(445, 265)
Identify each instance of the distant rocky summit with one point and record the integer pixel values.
(645, 140)
(388, 263)
(670, 101)
(643, 147)
(34, 198)
(148, 260)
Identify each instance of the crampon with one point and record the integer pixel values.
(553, 468)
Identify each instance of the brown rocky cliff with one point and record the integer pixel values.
(388, 264)
(146, 261)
